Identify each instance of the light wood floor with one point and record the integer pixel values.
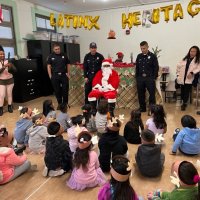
(32, 185)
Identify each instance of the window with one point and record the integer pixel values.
(43, 23)
(7, 33)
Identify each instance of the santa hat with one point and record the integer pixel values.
(107, 62)
(120, 54)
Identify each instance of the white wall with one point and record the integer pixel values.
(174, 38)
(26, 21)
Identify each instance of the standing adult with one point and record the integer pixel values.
(6, 81)
(186, 70)
(58, 69)
(92, 64)
(146, 73)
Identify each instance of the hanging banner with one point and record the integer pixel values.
(75, 21)
(153, 15)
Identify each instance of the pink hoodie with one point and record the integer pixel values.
(8, 161)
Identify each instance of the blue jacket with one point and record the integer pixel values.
(20, 130)
(188, 140)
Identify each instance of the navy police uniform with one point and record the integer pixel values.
(92, 64)
(146, 73)
(59, 78)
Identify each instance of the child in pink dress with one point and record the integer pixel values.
(87, 172)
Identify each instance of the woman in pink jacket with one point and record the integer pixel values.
(186, 69)
(11, 165)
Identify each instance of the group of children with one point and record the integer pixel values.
(42, 133)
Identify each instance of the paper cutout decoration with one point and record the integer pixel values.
(94, 140)
(175, 179)
(159, 138)
(35, 112)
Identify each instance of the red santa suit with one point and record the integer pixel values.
(105, 83)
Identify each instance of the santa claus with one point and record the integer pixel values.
(105, 84)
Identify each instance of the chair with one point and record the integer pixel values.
(170, 91)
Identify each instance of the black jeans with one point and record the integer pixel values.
(185, 92)
(88, 88)
(144, 83)
(61, 87)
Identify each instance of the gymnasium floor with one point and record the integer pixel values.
(32, 185)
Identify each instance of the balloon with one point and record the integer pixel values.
(75, 21)
(196, 10)
(155, 18)
(166, 10)
(136, 20)
(83, 21)
(93, 22)
(128, 20)
(68, 17)
(52, 20)
(60, 22)
(178, 12)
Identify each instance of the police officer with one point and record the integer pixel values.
(146, 73)
(92, 64)
(58, 69)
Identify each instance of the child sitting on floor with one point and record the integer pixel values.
(187, 182)
(149, 158)
(89, 118)
(188, 139)
(87, 172)
(119, 186)
(110, 144)
(157, 122)
(49, 111)
(58, 157)
(101, 117)
(37, 134)
(73, 132)
(12, 165)
(63, 118)
(23, 125)
(133, 128)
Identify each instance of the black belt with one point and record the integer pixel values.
(144, 75)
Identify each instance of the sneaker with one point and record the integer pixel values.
(183, 107)
(198, 112)
(54, 173)
(45, 172)
(176, 131)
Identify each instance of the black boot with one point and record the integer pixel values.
(183, 106)
(94, 107)
(10, 109)
(111, 108)
(1, 111)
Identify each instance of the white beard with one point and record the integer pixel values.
(106, 72)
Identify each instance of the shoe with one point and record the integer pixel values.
(54, 173)
(10, 109)
(19, 150)
(183, 107)
(45, 172)
(198, 112)
(1, 111)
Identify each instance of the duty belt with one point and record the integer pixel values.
(144, 75)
